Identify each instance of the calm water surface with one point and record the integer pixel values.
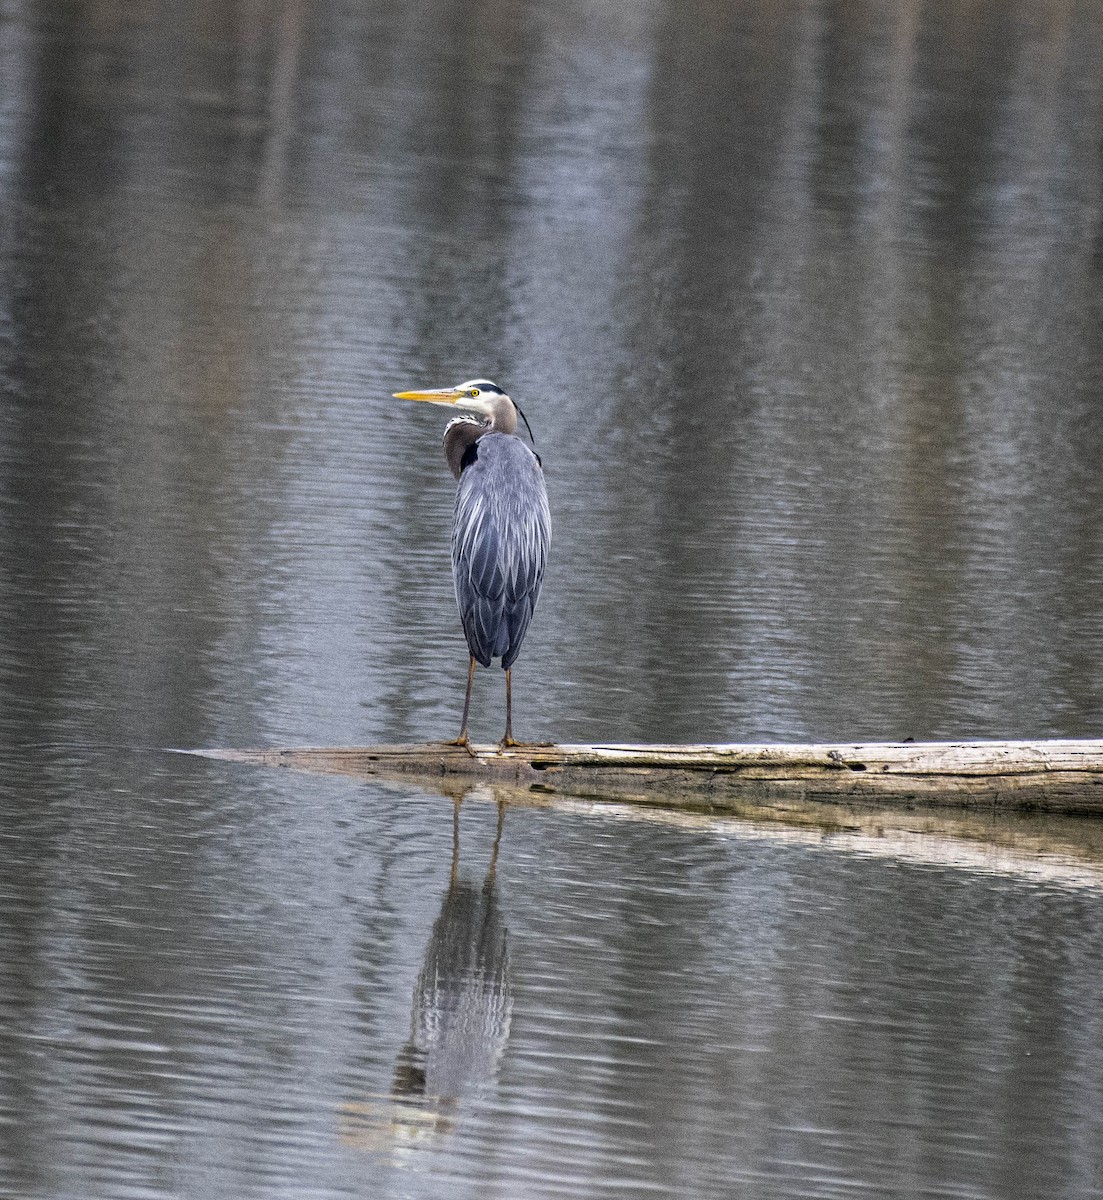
(803, 301)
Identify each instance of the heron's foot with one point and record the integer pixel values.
(511, 743)
(464, 741)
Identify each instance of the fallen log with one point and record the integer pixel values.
(1057, 776)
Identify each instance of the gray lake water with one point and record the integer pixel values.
(803, 302)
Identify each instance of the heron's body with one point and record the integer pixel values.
(500, 536)
(501, 528)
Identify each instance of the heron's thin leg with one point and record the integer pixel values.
(508, 739)
(463, 739)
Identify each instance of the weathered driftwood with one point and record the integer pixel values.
(1049, 776)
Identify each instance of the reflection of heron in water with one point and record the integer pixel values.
(462, 1003)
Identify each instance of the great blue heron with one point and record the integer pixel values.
(501, 528)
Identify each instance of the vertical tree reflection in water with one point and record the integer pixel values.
(460, 1017)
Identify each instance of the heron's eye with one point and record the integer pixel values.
(473, 393)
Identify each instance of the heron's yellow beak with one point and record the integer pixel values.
(436, 396)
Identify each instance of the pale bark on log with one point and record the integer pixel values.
(1063, 776)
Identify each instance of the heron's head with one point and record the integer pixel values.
(475, 396)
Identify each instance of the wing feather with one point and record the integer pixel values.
(501, 532)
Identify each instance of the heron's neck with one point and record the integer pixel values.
(503, 418)
(458, 436)
(461, 432)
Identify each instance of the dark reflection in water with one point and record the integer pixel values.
(207, 973)
(803, 300)
(462, 1002)
(460, 1019)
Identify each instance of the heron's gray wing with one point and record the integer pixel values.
(525, 555)
(500, 535)
(476, 569)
